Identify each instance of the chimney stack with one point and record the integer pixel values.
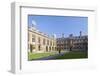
(80, 33)
(62, 35)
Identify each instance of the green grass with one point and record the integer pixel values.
(69, 55)
(34, 56)
(73, 55)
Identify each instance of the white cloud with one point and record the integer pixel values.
(34, 22)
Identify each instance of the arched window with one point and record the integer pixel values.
(46, 48)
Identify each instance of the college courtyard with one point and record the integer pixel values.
(44, 47)
(57, 37)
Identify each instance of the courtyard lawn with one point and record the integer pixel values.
(73, 55)
(34, 56)
(68, 55)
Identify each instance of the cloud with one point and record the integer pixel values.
(34, 22)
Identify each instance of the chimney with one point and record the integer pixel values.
(71, 35)
(80, 33)
(62, 35)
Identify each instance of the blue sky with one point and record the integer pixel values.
(59, 24)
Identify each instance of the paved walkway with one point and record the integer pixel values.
(52, 57)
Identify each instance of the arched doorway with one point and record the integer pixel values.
(39, 47)
(32, 48)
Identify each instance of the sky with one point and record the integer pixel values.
(59, 24)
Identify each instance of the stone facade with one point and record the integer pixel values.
(73, 43)
(40, 42)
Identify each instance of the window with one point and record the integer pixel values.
(44, 41)
(39, 40)
(33, 38)
(51, 43)
(48, 42)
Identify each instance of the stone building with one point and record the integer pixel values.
(62, 44)
(73, 43)
(39, 42)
